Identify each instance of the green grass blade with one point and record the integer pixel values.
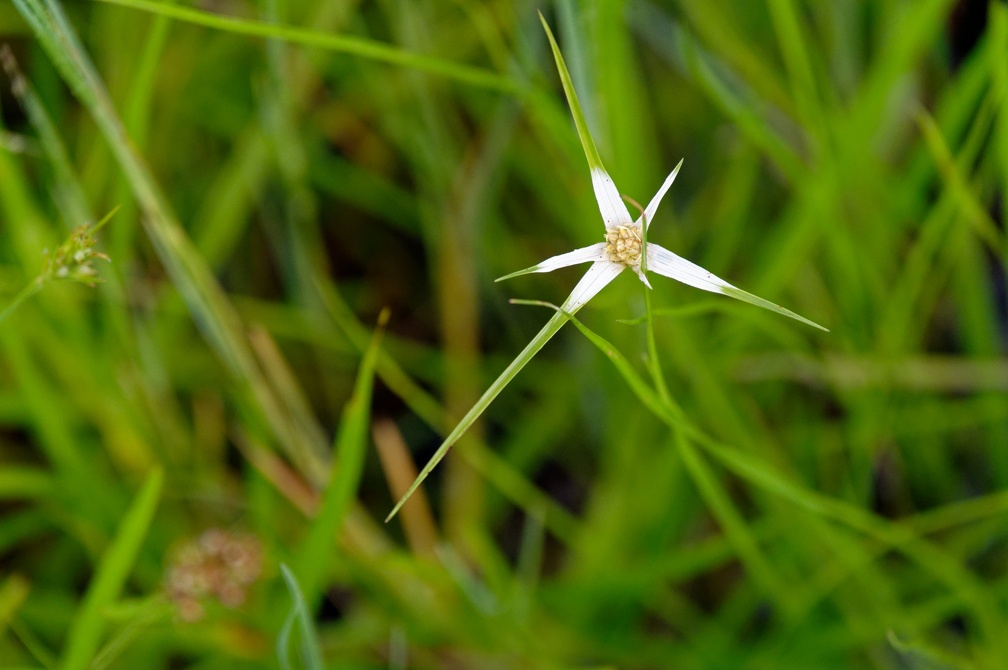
(999, 81)
(533, 347)
(130, 624)
(591, 153)
(745, 296)
(13, 593)
(904, 540)
(356, 46)
(209, 304)
(976, 213)
(25, 293)
(653, 359)
(67, 189)
(797, 59)
(712, 491)
(110, 575)
(901, 47)
(519, 273)
(314, 556)
(283, 644)
(311, 650)
(733, 523)
(21, 481)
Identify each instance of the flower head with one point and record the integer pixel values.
(72, 259)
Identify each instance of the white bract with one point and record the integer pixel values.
(625, 246)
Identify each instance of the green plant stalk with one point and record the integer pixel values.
(32, 644)
(654, 362)
(25, 293)
(797, 61)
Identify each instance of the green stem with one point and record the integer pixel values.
(348, 44)
(533, 347)
(654, 364)
(27, 292)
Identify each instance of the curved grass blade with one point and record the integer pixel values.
(311, 650)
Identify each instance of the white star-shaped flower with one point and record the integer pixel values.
(625, 246)
(625, 243)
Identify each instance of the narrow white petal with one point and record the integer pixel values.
(652, 208)
(614, 212)
(598, 275)
(593, 253)
(666, 263)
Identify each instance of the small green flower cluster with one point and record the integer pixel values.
(72, 259)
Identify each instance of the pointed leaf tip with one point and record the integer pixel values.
(745, 296)
(614, 212)
(517, 273)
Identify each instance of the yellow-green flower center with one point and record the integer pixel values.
(623, 245)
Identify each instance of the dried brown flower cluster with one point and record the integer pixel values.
(219, 565)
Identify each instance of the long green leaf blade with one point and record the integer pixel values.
(110, 575)
(745, 296)
(348, 464)
(614, 212)
(591, 153)
(533, 347)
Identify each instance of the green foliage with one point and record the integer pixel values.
(311, 651)
(679, 481)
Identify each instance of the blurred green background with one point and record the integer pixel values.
(226, 401)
